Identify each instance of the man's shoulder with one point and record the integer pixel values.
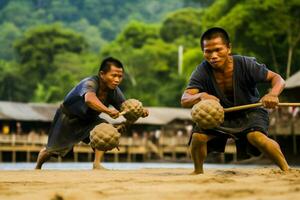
(200, 73)
(202, 67)
(90, 78)
(242, 58)
(90, 82)
(117, 95)
(117, 89)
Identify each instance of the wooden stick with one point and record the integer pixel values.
(123, 112)
(289, 104)
(254, 105)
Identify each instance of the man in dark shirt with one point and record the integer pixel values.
(231, 80)
(79, 112)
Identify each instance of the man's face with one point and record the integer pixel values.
(113, 77)
(216, 52)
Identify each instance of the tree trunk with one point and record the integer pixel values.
(292, 43)
(275, 63)
(289, 61)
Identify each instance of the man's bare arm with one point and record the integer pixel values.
(193, 96)
(271, 99)
(277, 83)
(93, 102)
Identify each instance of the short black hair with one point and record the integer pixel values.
(213, 33)
(108, 62)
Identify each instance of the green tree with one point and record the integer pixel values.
(183, 23)
(91, 34)
(3, 3)
(23, 14)
(70, 69)
(191, 59)
(8, 34)
(287, 24)
(17, 12)
(136, 34)
(37, 50)
(63, 10)
(150, 70)
(12, 83)
(108, 30)
(198, 3)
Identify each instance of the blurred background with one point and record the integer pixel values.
(47, 46)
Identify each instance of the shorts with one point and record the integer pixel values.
(67, 131)
(246, 121)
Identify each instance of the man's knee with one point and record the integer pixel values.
(257, 138)
(199, 139)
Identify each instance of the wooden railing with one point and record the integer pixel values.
(164, 148)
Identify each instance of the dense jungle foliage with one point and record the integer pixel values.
(47, 46)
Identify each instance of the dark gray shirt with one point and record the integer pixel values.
(75, 104)
(247, 73)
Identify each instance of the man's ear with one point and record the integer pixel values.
(229, 48)
(100, 74)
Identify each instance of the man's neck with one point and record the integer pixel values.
(228, 65)
(102, 86)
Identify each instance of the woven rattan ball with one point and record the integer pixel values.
(104, 137)
(133, 109)
(208, 114)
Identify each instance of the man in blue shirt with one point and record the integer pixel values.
(79, 112)
(231, 80)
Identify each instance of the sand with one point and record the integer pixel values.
(236, 183)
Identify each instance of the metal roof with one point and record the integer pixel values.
(293, 81)
(20, 111)
(45, 112)
(157, 116)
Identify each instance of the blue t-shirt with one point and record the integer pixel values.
(247, 73)
(75, 104)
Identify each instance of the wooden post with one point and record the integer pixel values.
(75, 156)
(14, 156)
(294, 137)
(28, 155)
(89, 157)
(116, 156)
(128, 154)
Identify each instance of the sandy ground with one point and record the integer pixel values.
(236, 183)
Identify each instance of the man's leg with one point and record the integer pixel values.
(199, 151)
(43, 157)
(269, 147)
(98, 157)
